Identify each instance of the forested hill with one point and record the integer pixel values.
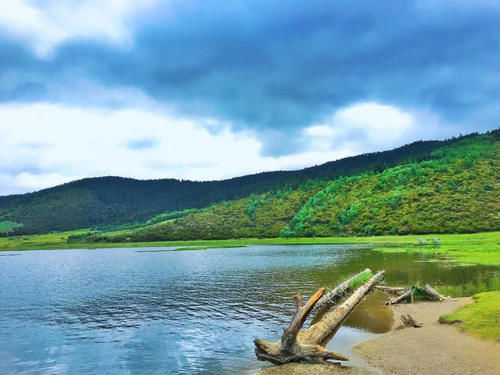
(113, 200)
(455, 191)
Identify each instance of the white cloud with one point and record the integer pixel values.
(42, 145)
(363, 127)
(319, 131)
(48, 23)
(375, 118)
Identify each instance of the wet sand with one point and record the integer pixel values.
(435, 348)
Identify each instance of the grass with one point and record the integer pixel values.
(477, 248)
(420, 295)
(470, 288)
(360, 280)
(480, 319)
(484, 243)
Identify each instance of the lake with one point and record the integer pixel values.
(143, 311)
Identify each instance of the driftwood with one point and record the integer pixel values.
(296, 346)
(335, 294)
(408, 321)
(428, 290)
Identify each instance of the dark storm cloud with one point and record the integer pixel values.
(277, 67)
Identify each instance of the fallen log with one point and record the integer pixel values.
(296, 346)
(319, 331)
(289, 349)
(432, 293)
(416, 291)
(335, 294)
(403, 296)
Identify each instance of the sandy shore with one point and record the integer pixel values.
(434, 349)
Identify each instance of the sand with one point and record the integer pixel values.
(434, 349)
(303, 369)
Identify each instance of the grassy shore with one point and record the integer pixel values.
(481, 248)
(478, 248)
(481, 319)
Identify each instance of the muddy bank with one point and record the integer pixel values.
(435, 348)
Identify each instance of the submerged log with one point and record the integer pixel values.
(296, 346)
(391, 289)
(319, 331)
(335, 294)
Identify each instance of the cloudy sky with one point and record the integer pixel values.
(209, 89)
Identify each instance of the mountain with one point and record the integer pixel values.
(108, 201)
(454, 191)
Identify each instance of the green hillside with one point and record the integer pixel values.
(454, 191)
(111, 201)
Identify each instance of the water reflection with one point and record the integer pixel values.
(120, 311)
(371, 315)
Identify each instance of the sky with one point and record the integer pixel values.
(206, 89)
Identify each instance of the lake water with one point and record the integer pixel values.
(143, 311)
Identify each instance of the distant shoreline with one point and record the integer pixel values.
(473, 248)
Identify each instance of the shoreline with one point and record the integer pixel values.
(436, 348)
(473, 241)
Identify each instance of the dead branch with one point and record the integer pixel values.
(408, 321)
(403, 296)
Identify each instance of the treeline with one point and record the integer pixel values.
(106, 201)
(454, 191)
